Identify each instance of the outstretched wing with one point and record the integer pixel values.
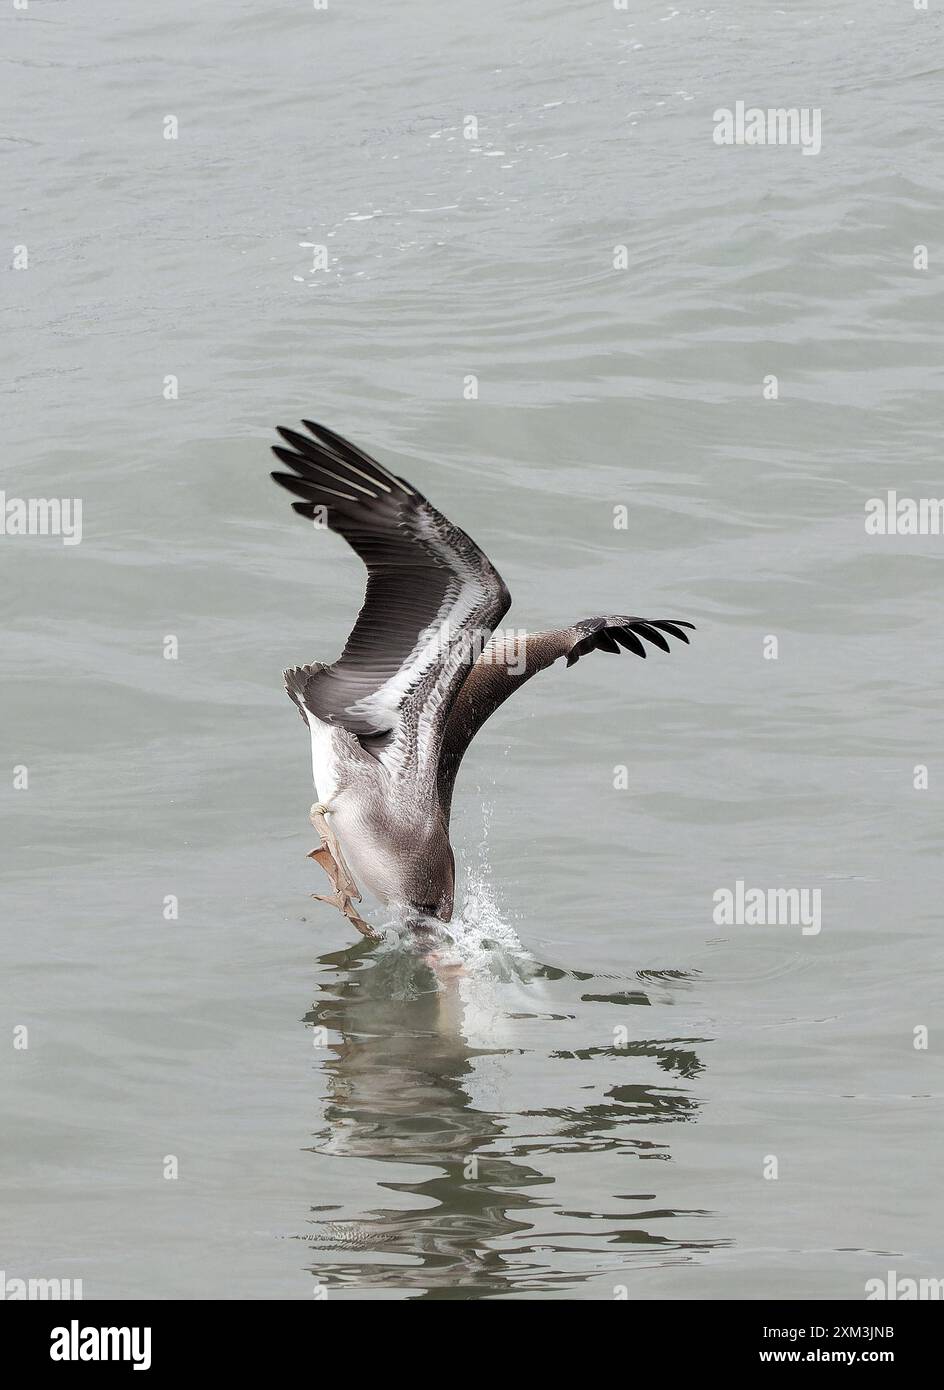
(430, 589)
(508, 661)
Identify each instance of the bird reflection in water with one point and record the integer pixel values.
(421, 1044)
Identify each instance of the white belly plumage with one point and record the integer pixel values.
(374, 867)
(324, 760)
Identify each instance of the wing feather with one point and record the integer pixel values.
(508, 661)
(429, 590)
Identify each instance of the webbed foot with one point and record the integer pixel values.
(329, 856)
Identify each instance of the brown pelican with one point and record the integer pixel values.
(422, 670)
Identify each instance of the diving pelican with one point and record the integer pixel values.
(422, 670)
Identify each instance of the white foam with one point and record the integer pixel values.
(477, 960)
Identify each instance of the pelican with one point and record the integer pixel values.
(423, 668)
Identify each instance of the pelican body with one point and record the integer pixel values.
(422, 669)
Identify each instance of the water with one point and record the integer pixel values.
(581, 1094)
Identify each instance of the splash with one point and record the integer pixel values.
(479, 939)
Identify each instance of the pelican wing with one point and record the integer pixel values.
(508, 661)
(430, 590)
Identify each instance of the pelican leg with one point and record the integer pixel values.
(329, 856)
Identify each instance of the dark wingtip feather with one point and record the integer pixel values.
(673, 628)
(286, 456)
(651, 634)
(355, 456)
(292, 483)
(628, 639)
(293, 438)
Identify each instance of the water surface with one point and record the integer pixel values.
(587, 1103)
